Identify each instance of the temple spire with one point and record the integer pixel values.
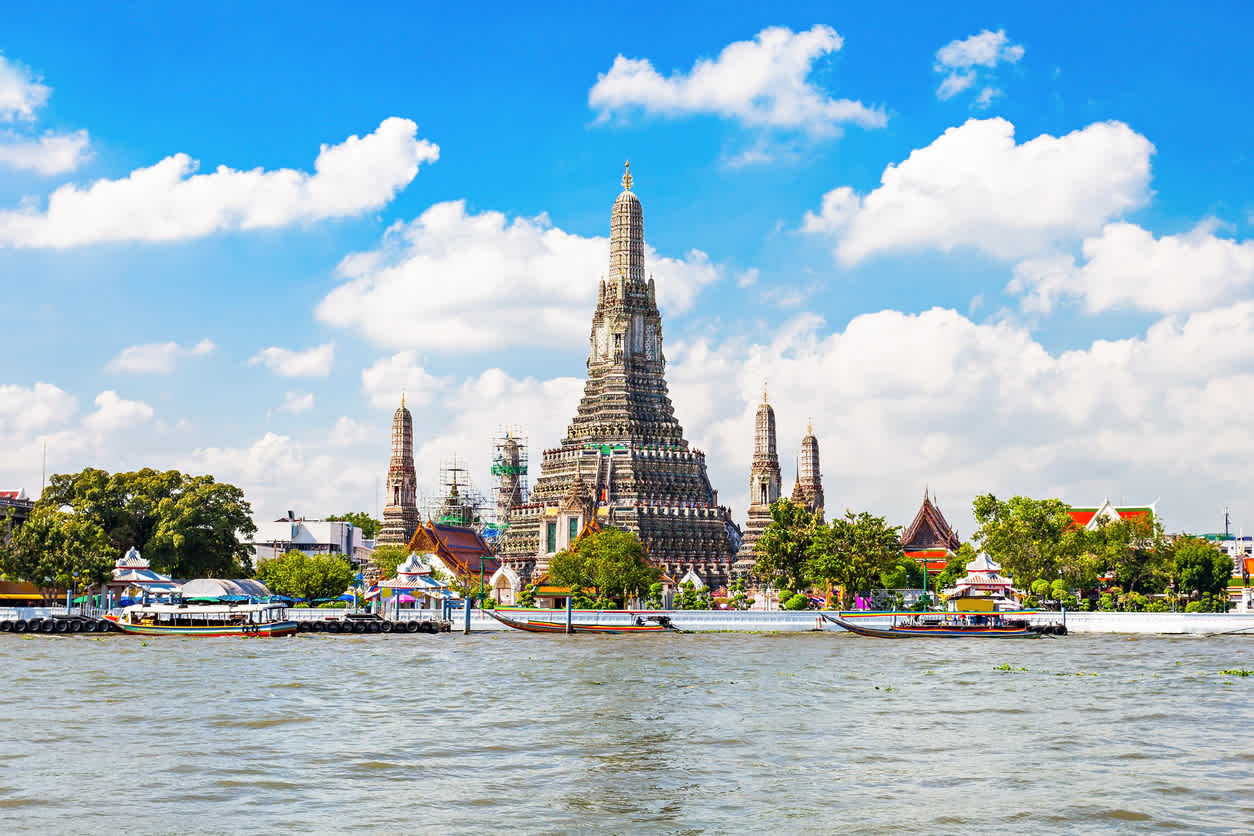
(627, 234)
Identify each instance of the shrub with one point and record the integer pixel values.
(797, 602)
(1194, 606)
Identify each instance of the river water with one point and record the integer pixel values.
(675, 733)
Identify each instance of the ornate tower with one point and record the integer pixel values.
(400, 515)
(764, 483)
(808, 474)
(624, 449)
(510, 468)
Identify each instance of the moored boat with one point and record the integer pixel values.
(643, 624)
(946, 626)
(210, 619)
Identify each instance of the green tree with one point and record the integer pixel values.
(612, 562)
(691, 598)
(387, 558)
(1200, 568)
(186, 526)
(784, 546)
(1134, 551)
(739, 590)
(527, 598)
(853, 552)
(1030, 538)
(58, 549)
(369, 525)
(906, 573)
(310, 577)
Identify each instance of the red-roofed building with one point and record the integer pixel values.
(1092, 517)
(929, 539)
(459, 551)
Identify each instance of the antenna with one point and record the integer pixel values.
(1227, 524)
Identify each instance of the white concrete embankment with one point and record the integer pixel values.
(756, 621)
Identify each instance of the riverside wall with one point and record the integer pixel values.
(779, 621)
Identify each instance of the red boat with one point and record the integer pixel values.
(947, 627)
(645, 624)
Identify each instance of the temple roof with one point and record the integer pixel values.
(929, 529)
(1093, 516)
(465, 547)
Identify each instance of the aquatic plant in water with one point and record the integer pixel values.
(1237, 672)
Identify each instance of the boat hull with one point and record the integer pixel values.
(559, 627)
(934, 631)
(278, 628)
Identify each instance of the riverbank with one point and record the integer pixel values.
(781, 621)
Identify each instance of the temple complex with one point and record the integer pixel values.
(764, 484)
(624, 461)
(400, 515)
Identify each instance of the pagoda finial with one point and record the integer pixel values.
(764, 391)
(809, 426)
(402, 399)
(627, 175)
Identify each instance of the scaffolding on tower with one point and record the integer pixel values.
(457, 502)
(509, 474)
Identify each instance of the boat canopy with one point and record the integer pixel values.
(219, 588)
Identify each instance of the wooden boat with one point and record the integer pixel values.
(942, 627)
(645, 624)
(213, 619)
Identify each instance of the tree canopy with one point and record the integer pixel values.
(56, 548)
(1198, 567)
(853, 552)
(387, 558)
(310, 577)
(1030, 538)
(783, 548)
(185, 526)
(369, 525)
(612, 561)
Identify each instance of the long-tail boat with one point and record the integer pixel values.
(646, 624)
(945, 627)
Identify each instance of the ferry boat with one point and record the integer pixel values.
(946, 626)
(220, 619)
(643, 624)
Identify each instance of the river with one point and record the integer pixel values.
(674, 733)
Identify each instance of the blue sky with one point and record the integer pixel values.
(1048, 293)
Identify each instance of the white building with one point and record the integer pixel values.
(311, 537)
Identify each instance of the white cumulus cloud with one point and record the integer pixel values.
(156, 358)
(457, 280)
(899, 400)
(297, 402)
(974, 186)
(47, 154)
(116, 413)
(21, 96)
(315, 362)
(25, 409)
(21, 93)
(1126, 267)
(401, 374)
(169, 201)
(959, 60)
(764, 82)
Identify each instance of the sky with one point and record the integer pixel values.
(994, 248)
